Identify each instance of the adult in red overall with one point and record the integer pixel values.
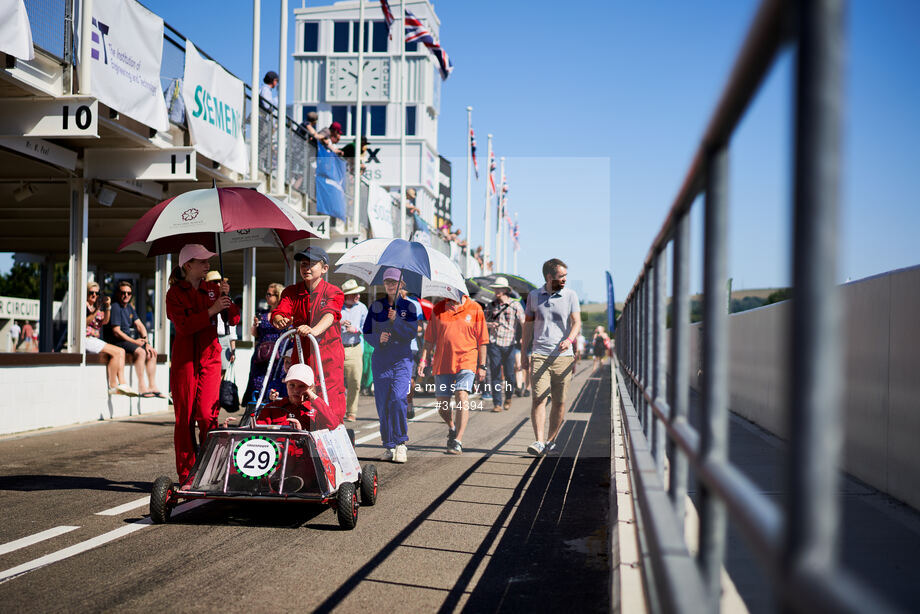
(193, 305)
(314, 306)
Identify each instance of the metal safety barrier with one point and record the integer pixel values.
(796, 542)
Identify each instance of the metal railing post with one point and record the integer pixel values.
(659, 357)
(714, 423)
(647, 351)
(815, 421)
(680, 360)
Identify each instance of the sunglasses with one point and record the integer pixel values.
(125, 292)
(272, 294)
(93, 292)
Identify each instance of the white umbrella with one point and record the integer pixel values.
(425, 270)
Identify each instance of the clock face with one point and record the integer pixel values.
(342, 79)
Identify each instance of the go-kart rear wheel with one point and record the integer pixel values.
(369, 485)
(346, 508)
(162, 500)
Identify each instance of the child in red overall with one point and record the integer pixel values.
(193, 305)
(304, 410)
(314, 306)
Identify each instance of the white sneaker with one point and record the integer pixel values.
(536, 448)
(126, 390)
(399, 454)
(387, 454)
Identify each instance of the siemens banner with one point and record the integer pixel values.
(124, 54)
(214, 110)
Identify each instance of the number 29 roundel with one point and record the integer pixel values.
(256, 456)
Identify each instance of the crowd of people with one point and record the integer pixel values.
(392, 348)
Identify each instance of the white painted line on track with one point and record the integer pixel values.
(376, 434)
(89, 544)
(34, 539)
(127, 507)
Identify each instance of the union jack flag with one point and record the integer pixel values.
(416, 32)
(473, 151)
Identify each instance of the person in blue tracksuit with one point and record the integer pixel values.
(390, 328)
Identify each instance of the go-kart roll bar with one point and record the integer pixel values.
(271, 362)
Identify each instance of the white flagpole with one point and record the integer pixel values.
(254, 101)
(499, 265)
(486, 243)
(282, 100)
(469, 194)
(360, 115)
(516, 249)
(403, 74)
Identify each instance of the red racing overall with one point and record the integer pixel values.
(307, 308)
(194, 377)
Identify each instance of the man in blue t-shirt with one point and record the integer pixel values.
(126, 330)
(552, 321)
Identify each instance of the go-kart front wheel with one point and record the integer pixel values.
(346, 508)
(369, 485)
(162, 500)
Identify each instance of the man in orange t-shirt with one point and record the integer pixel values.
(459, 334)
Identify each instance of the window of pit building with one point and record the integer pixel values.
(311, 37)
(410, 121)
(373, 124)
(21, 304)
(345, 37)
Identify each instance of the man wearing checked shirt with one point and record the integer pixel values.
(502, 316)
(552, 322)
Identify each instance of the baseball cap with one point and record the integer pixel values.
(335, 127)
(313, 253)
(194, 251)
(392, 273)
(301, 373)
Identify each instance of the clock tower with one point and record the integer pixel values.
(325, 81)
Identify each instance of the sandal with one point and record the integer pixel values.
(158, 394)
(148, 395)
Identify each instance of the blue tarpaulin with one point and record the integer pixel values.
(330, 183)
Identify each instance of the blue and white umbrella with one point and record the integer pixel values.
(427, 272)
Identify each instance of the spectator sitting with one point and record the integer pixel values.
(330, 136)
(97, 315)
(126, 331)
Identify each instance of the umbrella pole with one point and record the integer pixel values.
(225, 314)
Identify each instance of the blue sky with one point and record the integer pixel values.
(598, 111)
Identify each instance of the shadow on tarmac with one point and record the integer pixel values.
(29, 483)
(553, 552)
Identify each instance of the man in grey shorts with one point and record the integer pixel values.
(552, 321)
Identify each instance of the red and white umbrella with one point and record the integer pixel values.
(221, 219)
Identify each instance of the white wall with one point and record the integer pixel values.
(882, 377)
(46, 396)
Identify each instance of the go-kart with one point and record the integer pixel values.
(256, 462)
